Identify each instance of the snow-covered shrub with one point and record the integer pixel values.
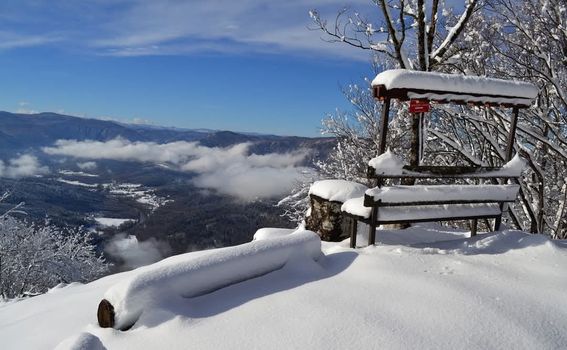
(34, 258)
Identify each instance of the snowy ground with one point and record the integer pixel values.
(139, 193)
(111, 222)
(76, 173)
(421, 288)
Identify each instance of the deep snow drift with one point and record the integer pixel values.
(424, 287)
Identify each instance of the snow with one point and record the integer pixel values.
(425, 193)
(138, 193)
(387, 163)
(82, 341)
(469, 98)
(425, 287)
(271, 232)
(77, 183)
(189, 276)
(390, 164)
(355, 206)
(337, 190)
(111, 222)
(438, 212)
(76, 173)
(514, 167)
(401, 78)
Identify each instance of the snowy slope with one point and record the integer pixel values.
(494, 291)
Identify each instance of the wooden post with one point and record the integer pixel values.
(384, 126)
(415, 139)
(511, 136)
(509, 151)
(421, 139)
(497, 223)
(372, 225)
(474, 226)
(353, 232)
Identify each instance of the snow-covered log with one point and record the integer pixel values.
(190, 276)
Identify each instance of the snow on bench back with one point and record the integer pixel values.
(390, 165)
(442, 193)
(337, 190)
(513, 168)
(387, 163)
(190, 275)
(355, 206)
(455, 83)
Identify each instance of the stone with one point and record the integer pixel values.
(326, 219)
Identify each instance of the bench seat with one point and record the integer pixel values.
(426, 203)
(416, 213)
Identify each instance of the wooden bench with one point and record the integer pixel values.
(436, 202)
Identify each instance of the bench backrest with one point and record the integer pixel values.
(439, 194)
(441, 172)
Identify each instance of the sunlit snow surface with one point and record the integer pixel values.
(111, 222)
(420, 288)
(139, 193)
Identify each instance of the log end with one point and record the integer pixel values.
(105, 314)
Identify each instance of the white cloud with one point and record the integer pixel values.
(248, 183)
(134, 253)
(24, 108)
(23, 166)
(176, 27)
(13, 40)
(87, 165)
(231, 170)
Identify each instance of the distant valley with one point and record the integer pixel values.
(152, 201)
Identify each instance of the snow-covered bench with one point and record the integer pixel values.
(425, 203)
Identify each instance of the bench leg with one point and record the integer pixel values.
(474, 226)
(497, 223)
(353, 232)
(372, 234)
(372, 226)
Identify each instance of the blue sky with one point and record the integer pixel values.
(234, 65)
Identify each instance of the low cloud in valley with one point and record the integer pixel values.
(22, 166)
(230, 170)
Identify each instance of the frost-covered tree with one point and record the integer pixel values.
(34, 258)
(410, 34)
(527, 40)
(509, 39)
